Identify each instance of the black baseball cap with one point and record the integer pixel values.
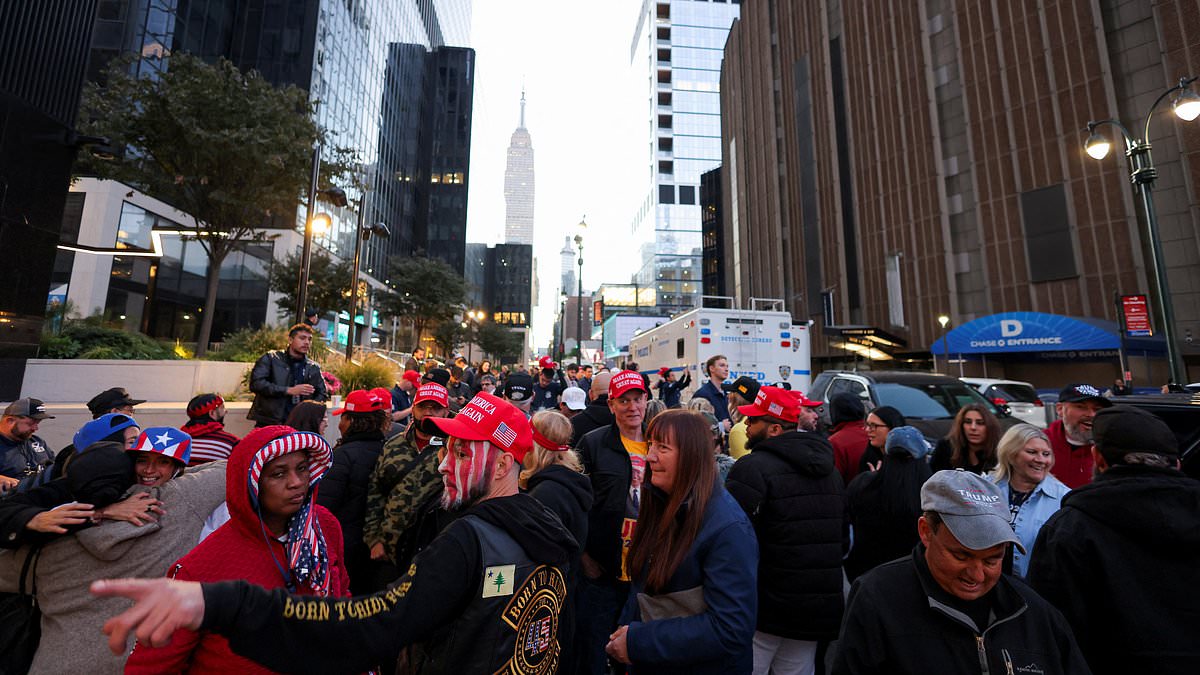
(28, 407)
(1082, 391)
(108, 399)
(518, 387)
(1123, 429)
(745, 386)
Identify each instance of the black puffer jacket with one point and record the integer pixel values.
(344, 489)
(608, 467)
(594, 416)
(1121, 559)
(791, 492)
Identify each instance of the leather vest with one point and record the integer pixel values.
(511, 626)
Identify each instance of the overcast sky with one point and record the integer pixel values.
(587, 115)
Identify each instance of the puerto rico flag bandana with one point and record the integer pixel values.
(308, 559)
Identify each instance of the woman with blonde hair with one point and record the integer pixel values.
(553, 475)
(1023, 463)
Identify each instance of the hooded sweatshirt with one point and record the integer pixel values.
(71, 617)
(1121, 559)
(239, 549)
(794, 497)
(425, 605)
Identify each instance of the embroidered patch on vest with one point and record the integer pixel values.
(533, 614)
(498, 581)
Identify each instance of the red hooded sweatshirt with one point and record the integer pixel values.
(236, 550)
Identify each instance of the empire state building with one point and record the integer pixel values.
(518, 185)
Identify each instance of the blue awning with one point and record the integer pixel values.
(1037, 332)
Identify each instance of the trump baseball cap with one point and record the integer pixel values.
(974, 508)
(490, 418)
(432, 391)
(547, 362)
(361, 401)
(575, 398)
(412, 376)
(623, 381)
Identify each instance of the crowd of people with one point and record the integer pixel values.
(590, 521)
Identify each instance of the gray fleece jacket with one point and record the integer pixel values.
(71, 617)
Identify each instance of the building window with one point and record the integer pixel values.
(687, 194)
(895, 291)
(666, 194)
(1048, 241)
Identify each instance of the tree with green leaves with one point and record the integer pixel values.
(448, 336)
(498, 341)
(328, 281)
(426, 291)
(223, 146)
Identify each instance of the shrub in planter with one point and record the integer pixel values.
(366, 375)
(88, 340)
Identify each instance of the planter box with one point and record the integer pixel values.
(78, 380)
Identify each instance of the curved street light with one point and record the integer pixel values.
(1142, 173)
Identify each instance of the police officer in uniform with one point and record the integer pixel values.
(483, 597)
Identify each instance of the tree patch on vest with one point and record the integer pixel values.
(533, 614)
(498, 580)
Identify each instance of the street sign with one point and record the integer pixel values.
(1137, 316)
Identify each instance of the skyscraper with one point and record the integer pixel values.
(678, 45)
(518, 185)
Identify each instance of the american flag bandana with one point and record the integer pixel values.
(308, 559)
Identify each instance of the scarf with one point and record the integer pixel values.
(307, 557)
(203, 428)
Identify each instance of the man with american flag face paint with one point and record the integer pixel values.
(484, 596)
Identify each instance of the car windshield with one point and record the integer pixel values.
(1010, 391)
(929, 401)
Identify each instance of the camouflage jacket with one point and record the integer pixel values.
(403, 480)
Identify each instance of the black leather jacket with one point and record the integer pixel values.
(269, 381)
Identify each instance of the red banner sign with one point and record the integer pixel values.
(1137, 316)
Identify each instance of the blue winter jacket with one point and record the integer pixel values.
(716, 397)
(724, 560)
(1043, 503)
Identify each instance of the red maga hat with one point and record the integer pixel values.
(547, 362)
(432, 391)
(773, 401)
(361, 401)
(623, 381)
(491, 418)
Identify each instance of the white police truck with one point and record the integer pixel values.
(761, 342)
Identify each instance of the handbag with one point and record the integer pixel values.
(688, 602)
(21, 621)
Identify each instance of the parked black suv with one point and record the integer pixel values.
(928, 401)
(1181, 412)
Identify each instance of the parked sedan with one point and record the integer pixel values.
(1020, 397)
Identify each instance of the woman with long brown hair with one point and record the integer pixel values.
(693, 553)
(971, 443)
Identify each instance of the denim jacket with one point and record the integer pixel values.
(1045, 500)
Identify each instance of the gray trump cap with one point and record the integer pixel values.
(974, 508)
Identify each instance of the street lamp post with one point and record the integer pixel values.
(361, 234)
(338, 198)
(579, 298)
(1142, 174)
(475, 317)
(944, 320)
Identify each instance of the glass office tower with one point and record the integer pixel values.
(677, 47)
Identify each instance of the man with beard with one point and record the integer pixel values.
(282, 378)
(206, 426)
(23, 454)
(793, 495)
(403, 488)
(483, 597)
(1121, 558)
(1071, 434)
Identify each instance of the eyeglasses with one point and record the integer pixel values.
(871, 426)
